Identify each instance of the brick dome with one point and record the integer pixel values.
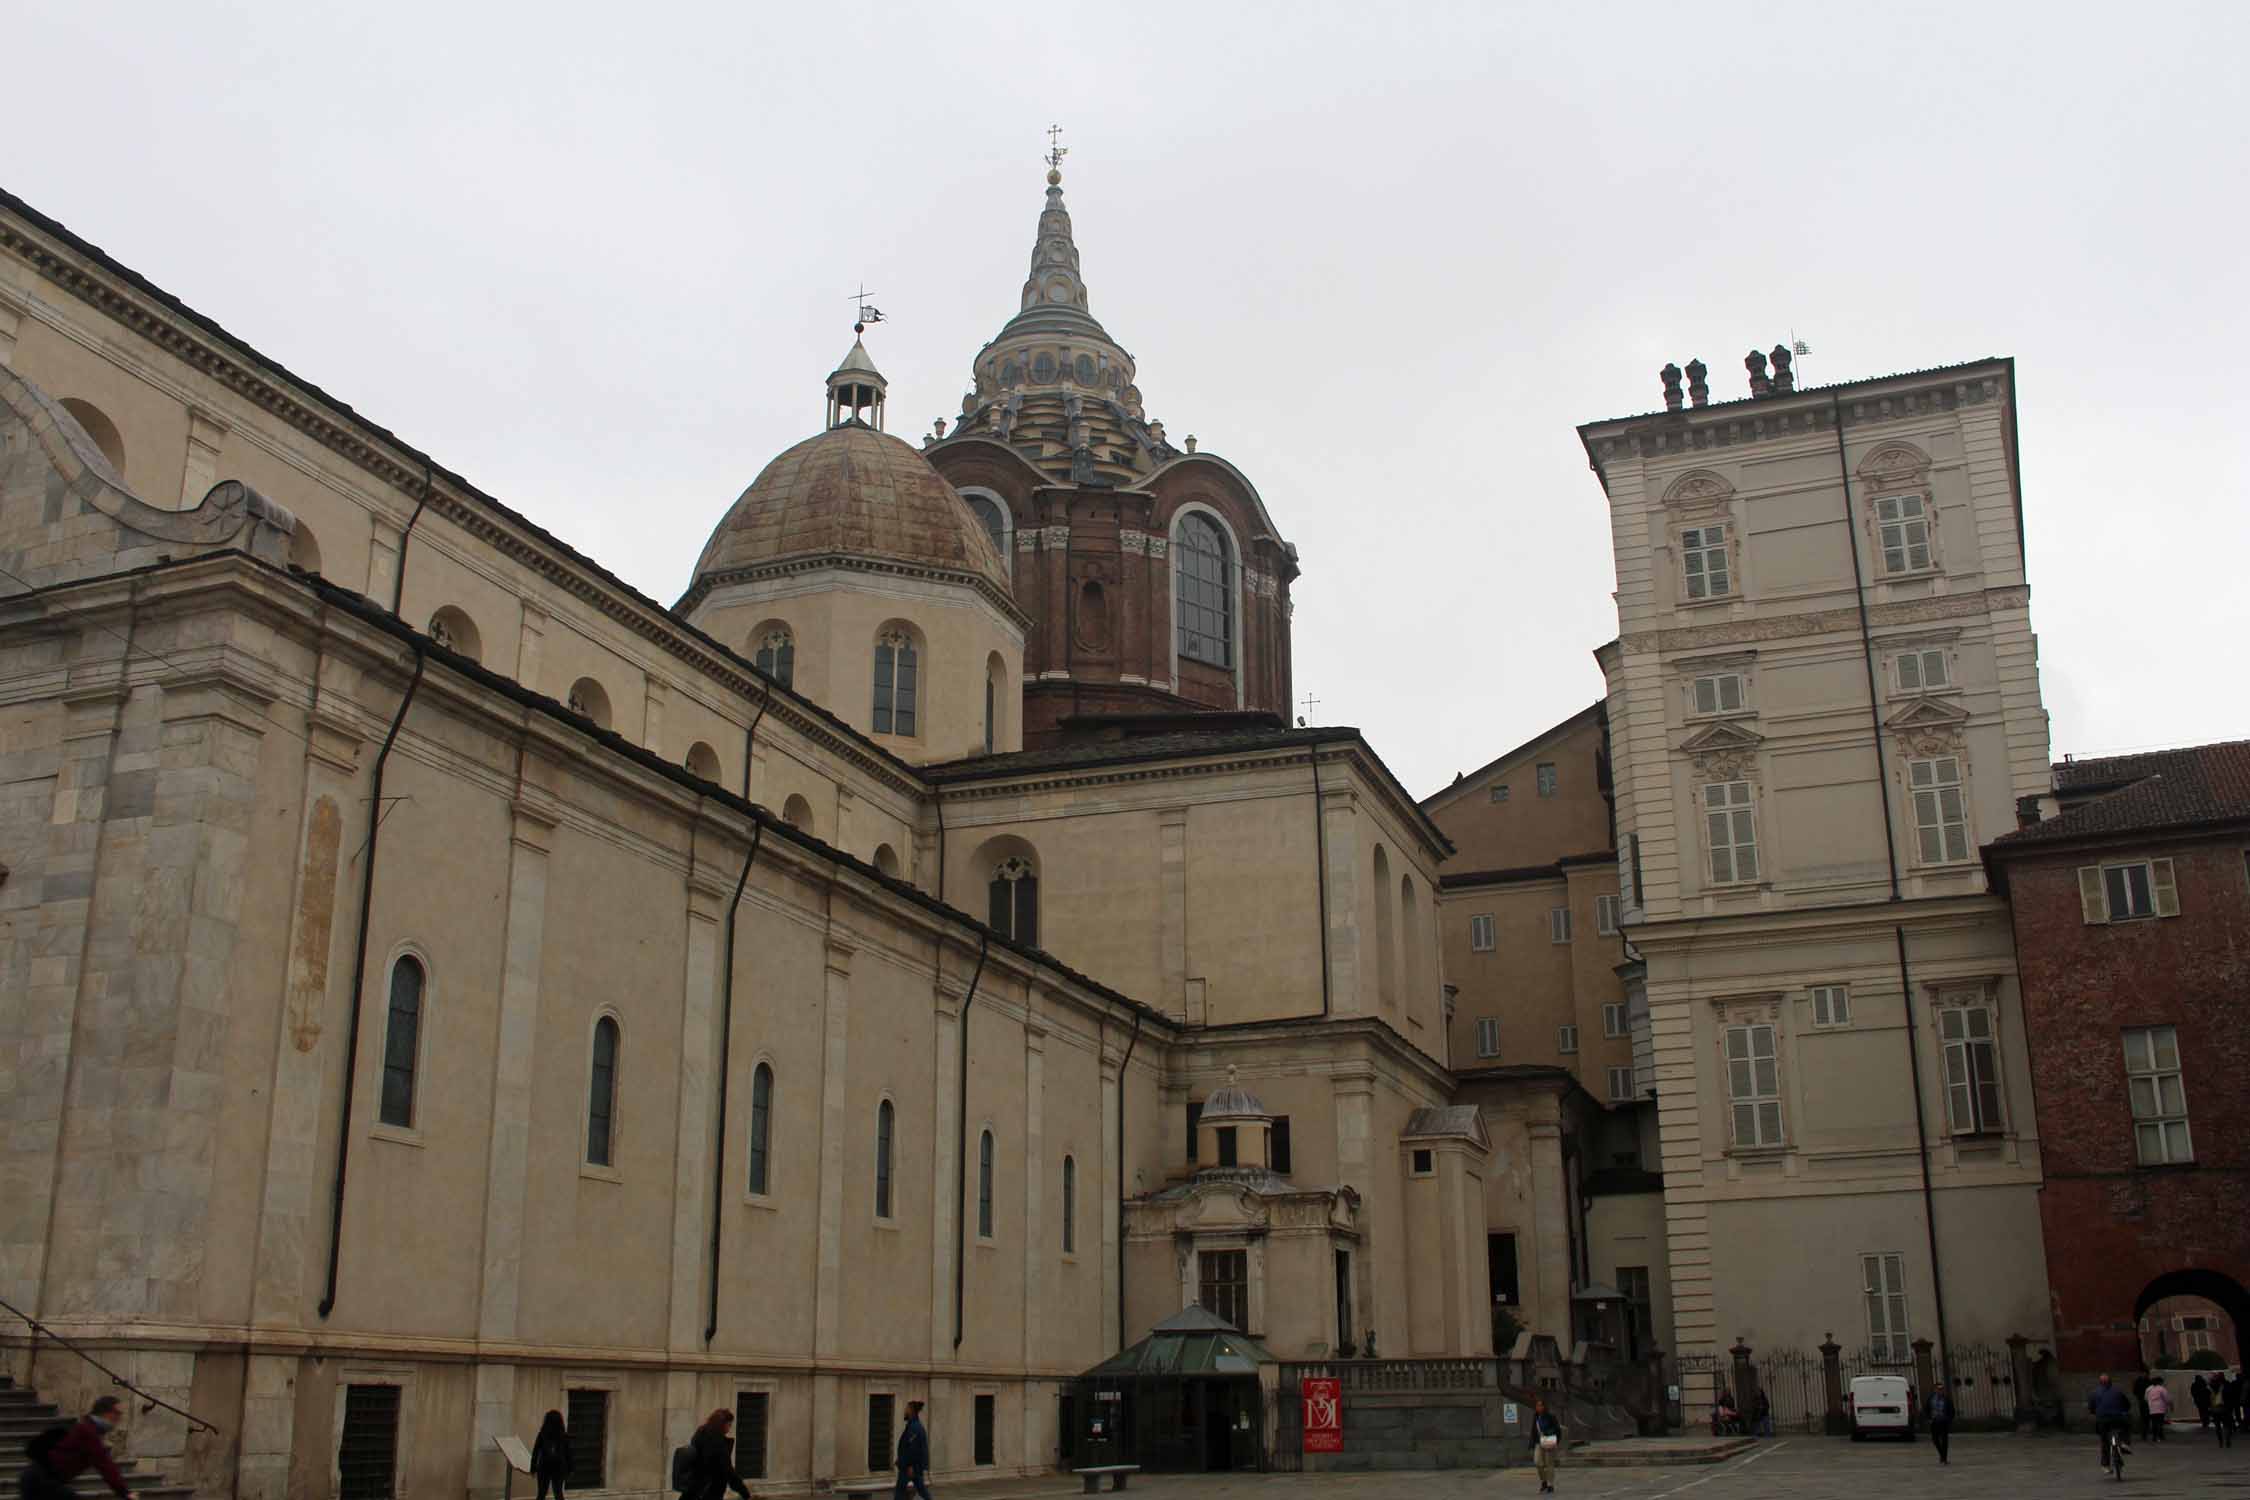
(855, 495)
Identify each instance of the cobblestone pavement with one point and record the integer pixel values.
(1984, 1467)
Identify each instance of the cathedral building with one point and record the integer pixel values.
(444, 983)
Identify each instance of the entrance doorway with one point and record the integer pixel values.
(2192, 1319)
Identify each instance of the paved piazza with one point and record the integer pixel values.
(1985, 1466)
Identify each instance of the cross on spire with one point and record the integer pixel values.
(1311, 703)
(1056, 150)
(868, 311)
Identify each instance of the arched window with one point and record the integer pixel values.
(304, 548)
(886, 860)
(100, 428)
(601, 1097)
(1013, 900)
(761, 1130)
(589, 701)
(777, 655)
(897, 672)
(1070, 1206)
(402, 1042)
(884, 1120)
(995, 699)
(984, 1186)
(797, 813)
(1386, 934)
(703, 760)
(995, 517)
(1203, 591)
(455, 631)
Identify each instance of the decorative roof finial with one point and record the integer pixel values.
(868, 311)
(1056, 151)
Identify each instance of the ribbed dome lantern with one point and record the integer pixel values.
(856, 389)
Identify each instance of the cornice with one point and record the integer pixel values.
(859, 562)
(1825, 621)
(1805, 413)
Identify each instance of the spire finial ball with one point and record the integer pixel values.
(1054, 177)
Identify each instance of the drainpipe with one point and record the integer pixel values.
(1122, 1064)
(1320, 857)
(961, 1152)
(398, 580)
(726, 1020)
(1890, 852)
(937, 801)
(359, 967)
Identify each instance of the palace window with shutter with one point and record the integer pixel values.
(1941, 819)
(1224, 1290)
(1488, 1036)
(1754, 1085)
(1720, 693)
(1972, 1067)
(1703, 561)
(1731, 826)
(1831, 1005)
(1903, 522)
(1882, 1280)
(1921, 671)
(2159, 1094)
(2128, 892)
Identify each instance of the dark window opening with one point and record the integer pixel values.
(1203, 590)
(884, 1121)
(1425, 1160)
(1012, 901)
(588, 1419)
(1500, 1266)
(985, 1411)
(984, 1186)
(1066, 1423)
(750, 1413)
(1345, 1343)
(601, 1101)
(761, 1129)
(879, 1433)
(1224, 1135)
(367, 1459)
(1195, 1130)
(1225, 1292)
(1070, 1205)
(1279, 1147)
(402, 1045)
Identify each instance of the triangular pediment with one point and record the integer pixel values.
(1722, 736)
(1928, 713)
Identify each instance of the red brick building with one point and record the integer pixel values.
(2131, 904)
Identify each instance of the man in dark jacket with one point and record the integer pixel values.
(1938, 1412)
(84, 1447)
(2112, 1412)
(2199, 1391)
(913, 1456)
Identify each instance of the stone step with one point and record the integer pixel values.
(1648, 1453)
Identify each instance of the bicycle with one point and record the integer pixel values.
(2114, 1449)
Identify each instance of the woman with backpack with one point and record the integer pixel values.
(550, 1456)
(704, 1469)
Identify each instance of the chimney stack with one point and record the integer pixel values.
(1698, 388)
(1760, 387)
(1784, 379)
(1670, 375)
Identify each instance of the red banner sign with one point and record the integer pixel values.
(1324, 1415)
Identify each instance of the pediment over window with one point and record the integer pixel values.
(1723, 751)
(1698, 488)
(1895, 463)
(1927, 726)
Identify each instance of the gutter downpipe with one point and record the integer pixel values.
(726, 1019)
(359, 963)
(398, 581)
(1898, 929)
(937, 802)
(961, 1150)
(1320, 858)
(1122, 1064)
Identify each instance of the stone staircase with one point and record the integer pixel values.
(23, 1416)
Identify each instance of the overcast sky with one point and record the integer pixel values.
(1384, 258)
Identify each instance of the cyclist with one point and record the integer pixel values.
(2112, 1411)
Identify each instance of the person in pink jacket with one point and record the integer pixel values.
(2159, 1406)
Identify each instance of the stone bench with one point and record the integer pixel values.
(1118, 1474)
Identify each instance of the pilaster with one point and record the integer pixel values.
(1549, 1213)
(1172, 872)
(1035, 1247)
(697, 1125)
(207, 434)
(945, 1201)
(11, 322)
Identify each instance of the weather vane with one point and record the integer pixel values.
(868, 311)
(1056, 150)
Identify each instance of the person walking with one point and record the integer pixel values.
(1761, 1413)
(2233, 1395)
(550, 1456)
(1546, 1444)
(85, 1446)
(913, 1456)
(2112, 1411)
(2199, 1391)
(2222, 1414)
(711, 1472)
(2140, 1402)
(1938, 1412)
(2159, 1407)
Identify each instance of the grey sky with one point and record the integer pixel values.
(1384, 258)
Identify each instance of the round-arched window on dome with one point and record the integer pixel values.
(1203, 591)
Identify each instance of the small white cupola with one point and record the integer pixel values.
(1234, 1129)
(856, 389)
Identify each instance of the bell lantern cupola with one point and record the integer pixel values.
(856, 389)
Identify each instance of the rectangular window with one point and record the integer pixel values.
(1499, 792)
(1633, 864)
(751, 1412)
(879, 1409)
(1480, 933)
(1225, 1285)
(1194, 1130)
(1732, 830)
(1620, 1085)
(1277, 1147)
(1831, 1005)
(1754, 1085)
(587, 1415)
(1424, 1161)
(1224, 1137)
(1344, 1299)
(1921, 671)
(1500, 1268)
(1941, 821)
(1545, 771)
(367, 1458)
(1972, 1068)
(1904, 522)
(2128, 892)
(1613, 1019)
(1558, 924)
(1720, 693)
(2152, 1074)
(985, 1413)
(1566, 1039)
(1703, 556)
(1488, 1036)
(1882, 1280)
(1605, 915)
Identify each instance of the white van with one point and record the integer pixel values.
(1878, 1405)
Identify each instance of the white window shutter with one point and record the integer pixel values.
(2092, 904)
(2161, 886)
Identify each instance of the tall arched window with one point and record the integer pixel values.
(402, 1042)
(984, 1186)
(1203, 591)
(601, 1098)
(761, 1130)
(777, 655)
(1013, 900)
(1070, 1206)
(897, 672)
(1386, 934)
(884, 1123)
(589, 700)
(995, 699)
(995, 519)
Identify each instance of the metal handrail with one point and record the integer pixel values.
(153, 1402)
